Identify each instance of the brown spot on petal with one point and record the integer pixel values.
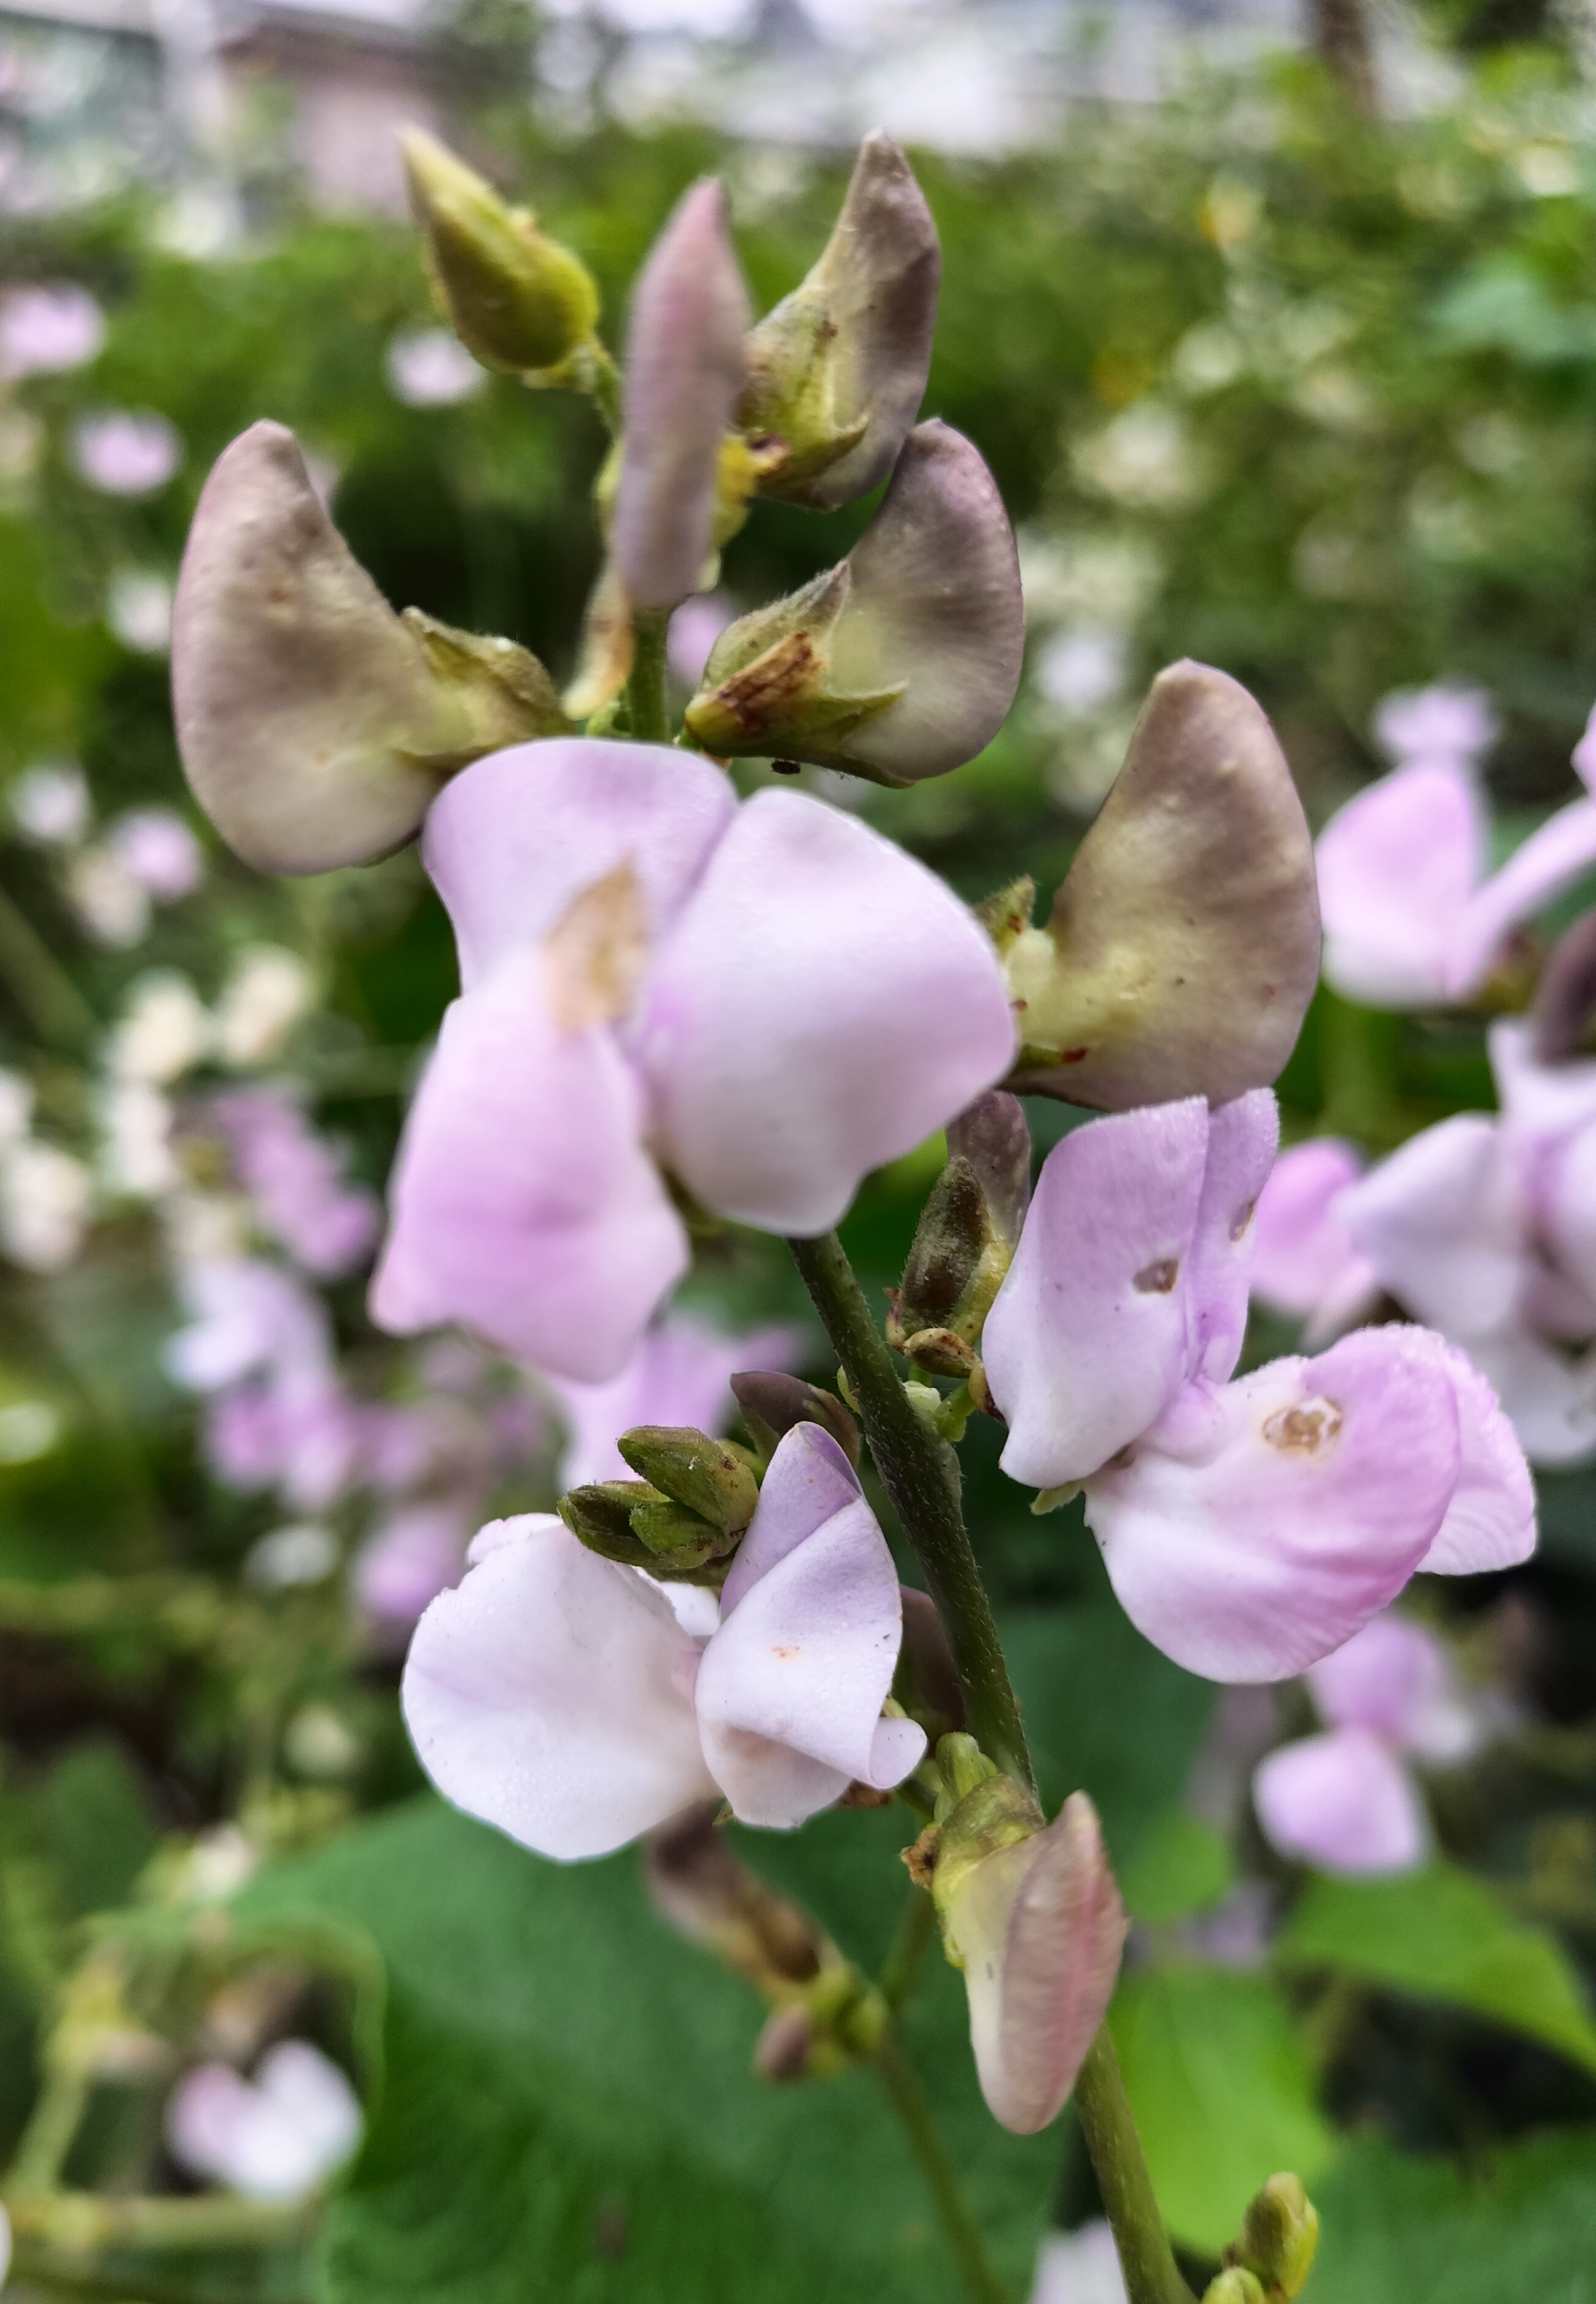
(1158, 1279)
(597, 951)
(1309, 1427)
(1241, 1220)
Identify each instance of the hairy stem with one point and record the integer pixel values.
(1151, 2276)
(915, 1469)
(645, 689)
(964, 2235)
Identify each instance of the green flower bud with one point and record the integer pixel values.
(1234, 2286)
(965, 1240)
(837, 372)
(902, 662)
(1279, 2237)
(314, 725)
(772, 1404)
(695, 1471)
(1183, 948)
(515, 299)
(679, 1542)
(599, 1516)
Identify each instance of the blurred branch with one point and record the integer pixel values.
(42, 987)
(1340, 32)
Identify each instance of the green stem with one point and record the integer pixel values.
(913, 1465)
(51, 2127)
(86, 2222)
(645, 689)
(1151, 2276)
(963, 2236)
(902, 1964)
(915, 1471)
(55, 1007)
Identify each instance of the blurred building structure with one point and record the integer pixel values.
(93, 92)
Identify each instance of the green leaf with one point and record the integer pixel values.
(1105, 1714)
(1443, 1935)
(568, 2110)
(1180, 1866)
(1221, 2089)
(1520, 2229)
(96, 1814)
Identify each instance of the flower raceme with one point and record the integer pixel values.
(1345, 1799)
(1248, 1527)
(1411, 917)
(574, 1703)
(762, 1000)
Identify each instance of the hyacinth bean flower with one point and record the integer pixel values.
(1345, 1799)
(295, 1179)
(680, 1374)
(274, 2138)
(764, 1001)
(1412, 919)
(1483, 1227)
(1248, 1527)
(561, 1698)
(684, 372)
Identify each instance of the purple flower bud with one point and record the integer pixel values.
(683, 375)
(1183, 948)
(838, 370)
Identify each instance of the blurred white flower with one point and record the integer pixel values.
(319, 1742)
(1079, 2267)
(138, 611)
(275, 2139)
(1078, 668)
(126, 452)
(46, 330)
(1146, 457)
(304, 1552)
(429, 368)
(49, 804)
(218, 1865)
(1207, 357)
(268, 991)
(44, 1196)
(106, 898)
(207, 1227)
(159, 850)
(28, 1429)
(164, 1028)
(136, 1156)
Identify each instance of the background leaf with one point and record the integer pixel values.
(1221, 2089)
(1443, 1935)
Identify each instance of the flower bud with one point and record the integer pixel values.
(1032, 1916)
(629, 1521)
(695, 1471)
(314, 725)
(772, 1404)
(684, 377)
(1564, 1008)
(837, 372)
(785, 2044)
(1279, 2237)
(902, 662)
(600, 1515)
(1234, 2286)
(1183, 948)
(711, 1897)
(965, 1240)
(515, 299)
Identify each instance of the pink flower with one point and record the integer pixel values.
(44, 331)
(681, 1373)
(415, 1554)
(126, 452)
(157, 850)
(1411, 919)
(295, 1180)
(1345, 1799)
(1248, 1527)
(766, 1000)
(1304, 1260)
(273, 2138)
(559, 1696)
(1485, 1229)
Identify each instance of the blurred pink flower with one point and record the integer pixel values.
(694, 628)
(681, 1373)
(295, 1179)
(429, 367)
(275, 2138)
(157, 849)
(417, 1552)
(46, 330)
(126, 452)
(1345, 1799)
(1079, 2267)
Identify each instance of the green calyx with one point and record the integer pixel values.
(704, 1475)
(1279, 2237)
(633, 1522)
(773, 691)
